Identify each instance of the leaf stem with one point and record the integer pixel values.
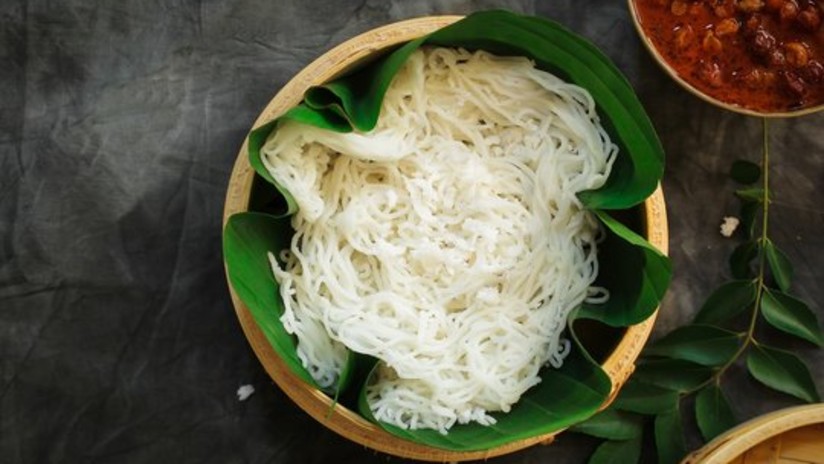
(762, 259)
(765, 215)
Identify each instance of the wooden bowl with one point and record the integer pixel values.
(792, 435)
(698, 93)
(619, 364)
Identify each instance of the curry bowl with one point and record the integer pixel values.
(761, 58)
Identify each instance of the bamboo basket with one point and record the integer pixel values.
(618, 365)
(789, 436)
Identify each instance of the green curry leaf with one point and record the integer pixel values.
(782, 269)
(745, 172)
(755, 194)
(726, 302)
(712, 412)
(749, 214)
(637, 396)
(703, 344)
(783, 371)
(669, 437)
(617, 452)
(674, 374)
(741, 259)
(611, 424)
(791, 315)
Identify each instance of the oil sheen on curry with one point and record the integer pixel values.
(762, 55)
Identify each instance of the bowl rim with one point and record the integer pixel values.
(662, 62)
(740, 439)
(618, 365)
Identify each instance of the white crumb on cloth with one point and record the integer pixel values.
(729, 225)
(244, 392)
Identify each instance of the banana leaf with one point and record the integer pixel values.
(248, 238)
(353, 102)
(564, 397)
(635, 273)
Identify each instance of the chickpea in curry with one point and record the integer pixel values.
(762, 55)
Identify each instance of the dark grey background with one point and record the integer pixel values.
(119, 124)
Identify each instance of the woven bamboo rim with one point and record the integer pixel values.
(686, 85)
(619, 365)
(792, 435)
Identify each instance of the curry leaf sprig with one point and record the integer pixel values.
(691, 361)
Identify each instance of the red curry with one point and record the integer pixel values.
(763, 55)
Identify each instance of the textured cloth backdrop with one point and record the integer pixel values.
(119, 124)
